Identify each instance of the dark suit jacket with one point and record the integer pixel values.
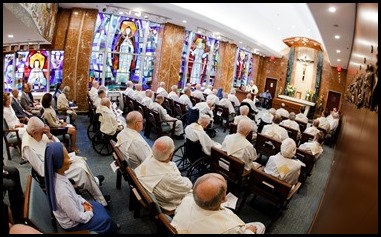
(26, 102)
(19, 110)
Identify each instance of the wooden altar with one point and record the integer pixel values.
(292, 104)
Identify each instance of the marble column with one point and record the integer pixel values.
(225, 69)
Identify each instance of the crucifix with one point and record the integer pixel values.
(305, 62)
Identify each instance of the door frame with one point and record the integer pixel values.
(341, 97)
(275, 90)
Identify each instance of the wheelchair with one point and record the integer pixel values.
(191, 160)
(193, 115)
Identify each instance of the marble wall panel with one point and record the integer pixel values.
(225, 68)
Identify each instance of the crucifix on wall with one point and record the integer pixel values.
(305, 62)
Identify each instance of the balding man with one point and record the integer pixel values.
(148, 98)
(282, 111)
(315, 146)
(157, 105)
(291, 123)
(213, 96)
(313, 130)
(93, 92)
(27, 103)
(130, 89)
(109, 124)
(244, 112)
(160, 176)
(195, 132)
(33, 149)
(161, 89)
(174, 94)
(138, 94)
(198, 93)
(185, 98)
(130, 141)
(202, 213)
(274, 130)
(249, 100)
(282, 165)
(237, 145)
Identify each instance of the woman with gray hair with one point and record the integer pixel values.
(282, 165)
(63, 104)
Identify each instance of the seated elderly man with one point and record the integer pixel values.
(130, 141)
(206, 107)
(315, 146)
(33, 149)
(244, 111)
(101, 94)
(195, 132)
(63, 104)
(291, 123)
(300, 116)
(138, 94)
(93, 92)
(157, 105)
(185, 98)
(237, 145)
(160, 176)
(213, 96)
(313, 130)
(282, 111)
(161, 89)
(324, 122)
(109, 123)
(208, 90)
(233, 98)
(225, 102)
(198, 93)
(333, 120)
(249, 100)
(130, 89)
(174, 95)
(274, 130)
(282, 165)
(148, 98)
(202, 213)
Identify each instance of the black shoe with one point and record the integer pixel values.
(100, 179)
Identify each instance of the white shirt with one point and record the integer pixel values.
(164, 180)
(227, 104)
(184, 99)
(324, 124)
(251, 103)
(173, 95)
(253, 124)
(267, 117)
(109, 125)
(12, 120)
(162, 91)
(333, 123)
(133, 145)
(282, 112)
(275, 131)
(301, 117)
(93, 92)
(195, 132)
(252, 89)
(129, 92)
(203, 108)
(233, 98)
(147, 101)
(313, 147)
(283, 168)
(198, 94)
(312, 130)
(213, 97)
(238, 146)
(291, 124)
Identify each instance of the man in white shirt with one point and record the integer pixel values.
(333, 120)
(313, 130)
(206, 107)
(160, 175)
(109, 123)
(233, 98)
(244, 112)
(97, 103)
(160, 90)
(130, 141)
(130, 89)
(225, 102)
(249, 100)
(138, 94)
(33, 149)
(198, 93)
(173, 94)
(195, 132)
(282, 165)
(213, 96)
(148, 98)
(314, 146)
(185, 98)
(93, 92)
(282, 111)
(300, 116)
(237, 145)
(208, 90)
(202, 212)
(157, 105)
(252, 88)
(323, 121)
(274, 130)
(290, 122)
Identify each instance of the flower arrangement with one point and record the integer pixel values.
(309, 95)
(290, 90)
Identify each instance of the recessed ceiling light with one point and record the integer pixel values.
(75, 13)
(240, 42)
(332, 9)
(337, 36)
(338, 51)
(184, 21)
(339, 60)
(10, 36)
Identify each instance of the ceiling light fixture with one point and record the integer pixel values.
(332, 9)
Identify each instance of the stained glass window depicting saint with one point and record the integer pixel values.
(241, 68)
(56, 67)
(198, 59)
(37, 70)
(8, 71)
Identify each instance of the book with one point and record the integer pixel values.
(231, 201)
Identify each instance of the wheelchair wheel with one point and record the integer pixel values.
(180, 158)
(101, 144)
(92, 131)
(199, 168)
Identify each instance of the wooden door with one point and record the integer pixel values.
(271, 86)
(333, 100)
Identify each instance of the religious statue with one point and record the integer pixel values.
(305, 62)
(368, 85)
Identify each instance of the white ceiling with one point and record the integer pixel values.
(260, 26)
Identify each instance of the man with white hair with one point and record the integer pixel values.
(138, 94)
(237, 145)
(157, 105)
(130, 89)
(274, 130)
(33, 149)
(130, 141)
(173, 94)
(300, 116)
(244, 112)
(315, 146)
(206, 107)
(250, 101)
(208, 90)
(313, 130)
(161, 177)
(282, 165)
(97, 102)
(109, 123)
(225, 102)
(213, 96)
(198, 93)
(252, 88)
(282, 111)
(148, 98)
(195, 132)
(93, 92)
(161, 90)
(233, 98)
(185, 98)
(291, 123)
(63, 104)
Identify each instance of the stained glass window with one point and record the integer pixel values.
(8, 72)
(242, 67)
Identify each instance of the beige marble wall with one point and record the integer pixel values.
(168, 56)
(75, 33)
(225, 68)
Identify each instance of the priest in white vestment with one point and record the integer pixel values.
(314, 146)
(160, 175)
(244, 111)
(274, 130)
(33, 149)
